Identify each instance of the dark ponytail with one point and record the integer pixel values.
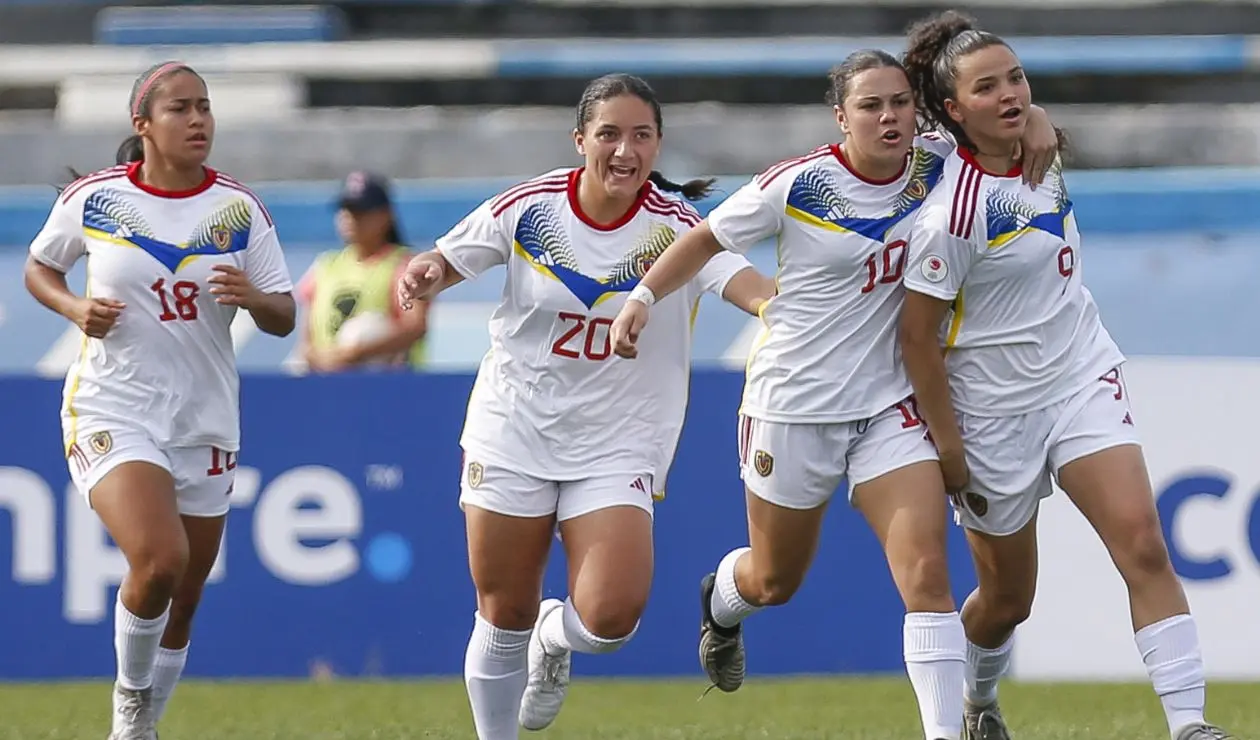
(691, 190)
(131, 150)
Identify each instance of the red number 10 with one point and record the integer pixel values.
(185, 292)
(888, 268)
(592, 348)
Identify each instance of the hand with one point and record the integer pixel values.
(418, 281)
(954, 469)
(96, 316)
(328, 359)
(232, 288)
(626, 327)
(1038, 147)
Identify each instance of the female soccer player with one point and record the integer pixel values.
(150, 414)
(1030, 386)
(559, 429)
(826, 398)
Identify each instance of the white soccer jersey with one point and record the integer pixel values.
(551, 399)
(828, 349)
(167, 364)
(1023, 331)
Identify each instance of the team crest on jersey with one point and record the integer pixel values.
(111, 215)
(101, 442)
(819, 197)
(978, 504)
(541, 240)
(763, 463)
(222, 237)
(476, 473)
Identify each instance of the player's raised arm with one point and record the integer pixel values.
(741, 221)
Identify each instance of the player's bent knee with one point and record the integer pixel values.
(614, 619)
(160, 570)
(925, 581)
(506, 612)
(774, 588)
(1007, 610)
(1142, 555)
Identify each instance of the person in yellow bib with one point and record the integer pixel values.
(352, 318)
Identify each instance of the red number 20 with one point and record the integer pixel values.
(887, 269)
(185, 293)
(592, 347)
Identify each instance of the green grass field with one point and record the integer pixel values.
(854, 709)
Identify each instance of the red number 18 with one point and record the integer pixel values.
(185, 292)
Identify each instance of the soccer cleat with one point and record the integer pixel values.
(548, 677)
(1203, 732)
(721, 648)
(133, 715)
(984, 723)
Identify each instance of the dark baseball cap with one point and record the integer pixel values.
(364, 191)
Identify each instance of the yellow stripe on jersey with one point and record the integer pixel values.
(813, 220)
(78, 374)
(955, 324)
(1001, 240)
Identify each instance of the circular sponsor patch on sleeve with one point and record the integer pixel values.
(934, 268)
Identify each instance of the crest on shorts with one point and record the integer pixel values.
(101, 442)
(222, 237)
(475, 473)
(763, 463)
(978, 504)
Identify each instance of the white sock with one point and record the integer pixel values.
(1170, 650)
(727, 605)
(985, 667)
(563, 630)
(136, 643)
(496, 670)
(166, 673)
(936, 660)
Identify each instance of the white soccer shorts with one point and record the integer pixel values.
(511, 493)
(1014, 459)
(800, 466)
(203, 475)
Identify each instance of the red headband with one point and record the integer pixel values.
(148, 83)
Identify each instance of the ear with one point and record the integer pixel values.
(579, 142)
(841, 121)
(954, 111)
(139, 124)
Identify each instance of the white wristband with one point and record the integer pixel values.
(642, 294)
